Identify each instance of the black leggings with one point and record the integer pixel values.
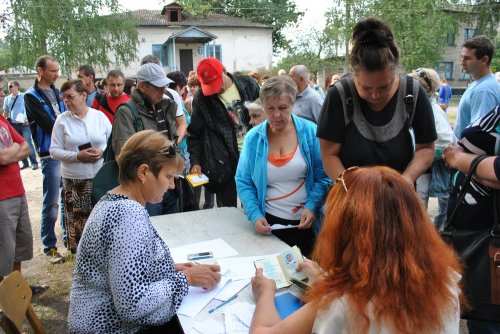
(304, 239)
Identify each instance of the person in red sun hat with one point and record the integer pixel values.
(219, 121)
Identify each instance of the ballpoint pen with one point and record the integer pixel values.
(224, 303)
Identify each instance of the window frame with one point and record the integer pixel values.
(160, 51)
(218, 51)
(444, 68)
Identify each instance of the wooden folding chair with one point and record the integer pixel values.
(15, 298)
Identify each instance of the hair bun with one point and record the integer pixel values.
(372, 31)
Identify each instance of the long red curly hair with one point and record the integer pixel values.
(378, 245)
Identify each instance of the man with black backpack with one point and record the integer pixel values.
(108, 102)
(148, 109)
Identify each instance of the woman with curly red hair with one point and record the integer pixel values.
(381, 266)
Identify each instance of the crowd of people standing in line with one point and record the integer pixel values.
(278, 145)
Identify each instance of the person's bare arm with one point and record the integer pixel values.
(330, 153)
(456, 157)
(16, 152)
(266, 319)
(422, 160)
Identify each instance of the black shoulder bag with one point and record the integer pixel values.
(480, 253)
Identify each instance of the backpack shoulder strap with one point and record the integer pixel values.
(169, 94)
(410, 97)
(345, 93)
(138, 126)
(103, 101)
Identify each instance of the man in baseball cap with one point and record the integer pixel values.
(211, 76)
(153, 74)
(220, 114)
(153, 109)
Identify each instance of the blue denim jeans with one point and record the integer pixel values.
(441, 217)
(52, 191)
(24, 130)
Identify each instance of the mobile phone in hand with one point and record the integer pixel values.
(84, 146)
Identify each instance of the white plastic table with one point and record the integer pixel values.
(229, 224)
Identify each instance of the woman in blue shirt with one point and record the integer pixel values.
(280, 177)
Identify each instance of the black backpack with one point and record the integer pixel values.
(107, 176)
(346, 82)
(108, 153)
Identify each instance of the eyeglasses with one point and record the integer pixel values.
(169, 151)
(341, 177)
(70, 96)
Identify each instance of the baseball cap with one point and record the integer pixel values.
(210, 75)
(153, 74)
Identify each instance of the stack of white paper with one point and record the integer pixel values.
(237, 319)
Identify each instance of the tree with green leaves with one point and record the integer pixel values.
(340, 20)
(276, 13)
(420, 28)
(72, 31)
(5, 57)
(487, 13)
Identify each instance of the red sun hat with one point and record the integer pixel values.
(209, 73)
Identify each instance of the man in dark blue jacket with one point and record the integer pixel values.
(43, 105)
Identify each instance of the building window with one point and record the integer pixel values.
(213, 51)
(465, 76)
(445, 70)
(160, 51)
(450, 39)
(174, 16)
(469, 33)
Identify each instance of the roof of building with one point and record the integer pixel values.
(146, 17)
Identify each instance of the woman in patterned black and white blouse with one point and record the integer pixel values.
(125, 280)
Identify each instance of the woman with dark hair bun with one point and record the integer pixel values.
(376, 116)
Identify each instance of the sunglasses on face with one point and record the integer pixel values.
(341, 177)
(169, 151)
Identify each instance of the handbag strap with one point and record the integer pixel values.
(463, 191)
(12, 108)
(494, 252)
(14, 103)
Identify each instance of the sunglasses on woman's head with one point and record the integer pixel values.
(341, 177)
(169, 151)
(421, 73)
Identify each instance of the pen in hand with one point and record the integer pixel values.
(224, 303)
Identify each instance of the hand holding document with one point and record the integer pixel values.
(282, 268)
(197, 180)
(282, 227)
